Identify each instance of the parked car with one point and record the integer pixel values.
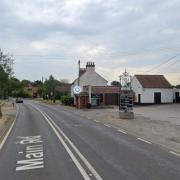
(19, 100)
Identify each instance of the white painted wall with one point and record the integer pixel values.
(147, 94)
(91, 78)
(176, 90)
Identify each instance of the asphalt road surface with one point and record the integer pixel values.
(50, 143)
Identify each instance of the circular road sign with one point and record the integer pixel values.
(77, 89)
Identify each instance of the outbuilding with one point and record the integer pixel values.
(151, 89)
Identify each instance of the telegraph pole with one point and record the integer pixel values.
(79, 71)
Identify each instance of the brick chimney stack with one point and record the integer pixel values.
(90, 66)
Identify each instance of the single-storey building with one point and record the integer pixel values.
(151, 89)
(95, 90)
(176, 95)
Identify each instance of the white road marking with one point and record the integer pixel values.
(107, 125)
(76, 162)
(172, 152)
(88, 165)
(8, 132)
(122, 131)
(33, 155)
(144, 140)
(96, 121)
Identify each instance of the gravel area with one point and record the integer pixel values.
(158, 123)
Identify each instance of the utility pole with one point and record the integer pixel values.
(79, 71)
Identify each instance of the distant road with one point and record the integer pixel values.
(48, 143)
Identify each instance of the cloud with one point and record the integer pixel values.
(115, 34)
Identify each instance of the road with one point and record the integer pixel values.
(50, 143)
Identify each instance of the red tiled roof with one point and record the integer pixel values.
(105, 89)
(153, 81)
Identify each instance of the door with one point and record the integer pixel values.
(157, 98)
(177, 97)
(139, 98)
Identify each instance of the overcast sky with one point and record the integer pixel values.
(50, 36)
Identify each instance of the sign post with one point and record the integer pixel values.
(126, 97)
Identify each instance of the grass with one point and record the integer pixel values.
(50, 102)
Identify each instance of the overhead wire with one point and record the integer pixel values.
(161, 64)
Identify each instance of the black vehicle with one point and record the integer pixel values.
(19, 100)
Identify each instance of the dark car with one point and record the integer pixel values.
(19, 100)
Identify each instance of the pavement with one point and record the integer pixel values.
(49, 143)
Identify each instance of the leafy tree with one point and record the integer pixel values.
(49, 87)
(6, 71)
(6, 62)
(38, 83)
(3, 82)
(25, 83)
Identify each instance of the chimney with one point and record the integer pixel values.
(90, 66)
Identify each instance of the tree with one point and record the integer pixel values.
(24, 83)
(6, 62)
(6, 71)
(3, 82)
(38, 83)
(49, 87)
(115, 83)
(14, 85)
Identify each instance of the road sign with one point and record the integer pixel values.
(77, 89)
(126, 101)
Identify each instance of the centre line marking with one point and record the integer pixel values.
(172, 152)
(60, 134)
(107, 125)
(122, 131)
(144, 140)
(89, 166)
(96, 121)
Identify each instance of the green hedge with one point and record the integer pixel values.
(67, 100)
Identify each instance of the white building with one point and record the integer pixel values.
(176, 94)
(152, 89)
(89, 77)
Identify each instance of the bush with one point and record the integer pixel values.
(67, 100)
(21, 93)
(58, 95)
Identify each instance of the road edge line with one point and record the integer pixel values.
(9, 131)
(76, 162)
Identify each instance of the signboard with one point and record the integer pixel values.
(77, 89)
(126, 101)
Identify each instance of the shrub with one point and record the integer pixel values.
(67, 100)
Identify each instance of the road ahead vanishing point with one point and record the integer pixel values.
(49, 143)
